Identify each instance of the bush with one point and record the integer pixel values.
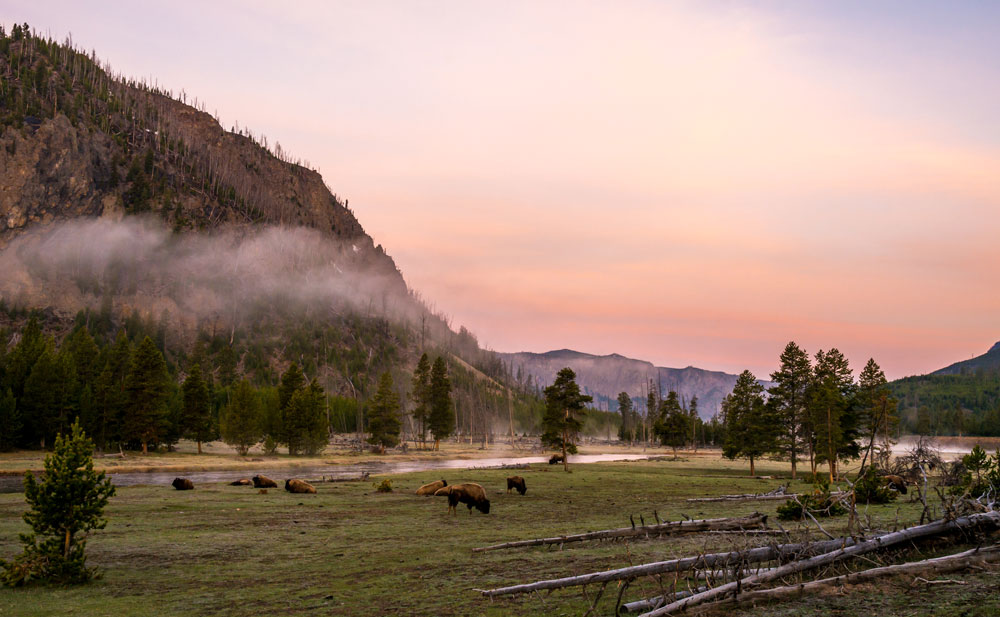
(819, 504)
(67, 504)
(384, 487)
(870, 488)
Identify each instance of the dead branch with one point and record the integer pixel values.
(892, 539)
(689, 526)
(948, 563)
(754, 555)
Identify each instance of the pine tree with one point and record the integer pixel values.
(830, 398)
(10, 422)
(672, 423)
(305, 420)
(241, 421)
(196, 413)
(627, 432)
(695, 422)
(292, 381)
(878, 412)
(421, 395)
(751, 429)
(788, 398)
(564, 411)
(146, 388)
(442, 414)
(66, 505)
(383, 414)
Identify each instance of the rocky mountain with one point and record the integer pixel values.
(77, 140)
(989, 361)
(603, 377)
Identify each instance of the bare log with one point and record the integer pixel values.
(938, 565)
(891, 539)
(711, 524)
(771, 496)
(711, 560)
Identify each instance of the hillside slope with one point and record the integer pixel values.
(989, 361)
(77, 140)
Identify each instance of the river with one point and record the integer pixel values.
(12, 484)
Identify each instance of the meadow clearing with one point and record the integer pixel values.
(349, 550)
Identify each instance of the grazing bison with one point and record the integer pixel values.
(556, 459)
(182, 484)
(516, 482)
(896, 483)
(470, 493)
(430, 489)
(298, 486)
(241, 482)
(263, 482)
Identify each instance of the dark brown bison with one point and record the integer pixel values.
(298, 486)
(430, 489)
(241, 482)
(516, 482)
(556, 459)
(182, 484)
(470, 493)
(896, 483)
(263, 482)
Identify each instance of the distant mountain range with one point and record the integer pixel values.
(603, 377)
(989, 361)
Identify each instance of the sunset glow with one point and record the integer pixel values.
(692, 183)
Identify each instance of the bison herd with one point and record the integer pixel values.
(262, 482)
(469, 493)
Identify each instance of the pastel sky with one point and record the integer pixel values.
(690, 183)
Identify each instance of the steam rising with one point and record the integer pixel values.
(231, 275)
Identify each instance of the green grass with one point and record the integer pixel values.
(221, 550)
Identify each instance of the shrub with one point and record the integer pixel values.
(384, 487)
(870, 488)
(820, 504)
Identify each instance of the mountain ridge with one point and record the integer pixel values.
(605, 376)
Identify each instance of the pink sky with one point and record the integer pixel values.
(686, 183)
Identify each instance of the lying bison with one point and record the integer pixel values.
(896, 483)
(470, 493)
(430, 489)
(182, 484)
(263, 482)
(298, 486)
(241, 482)
(516, 482)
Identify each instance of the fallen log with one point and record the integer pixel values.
(710, 560)
(938, 565)
(757, 497)
(712, 524)
(891, 539)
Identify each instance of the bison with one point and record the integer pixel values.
(470, 493)
(556, 459)
(896, 483)
(263, 482)
(241, 482)
(430, 489)
(182, 484)
(516, 482)
(298, 486)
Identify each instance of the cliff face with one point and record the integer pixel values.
(604, 377)
(77, 141)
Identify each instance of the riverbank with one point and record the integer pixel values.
(217, 456)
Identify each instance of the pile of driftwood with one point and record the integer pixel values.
(739, 576)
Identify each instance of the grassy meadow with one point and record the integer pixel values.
(348, 550)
